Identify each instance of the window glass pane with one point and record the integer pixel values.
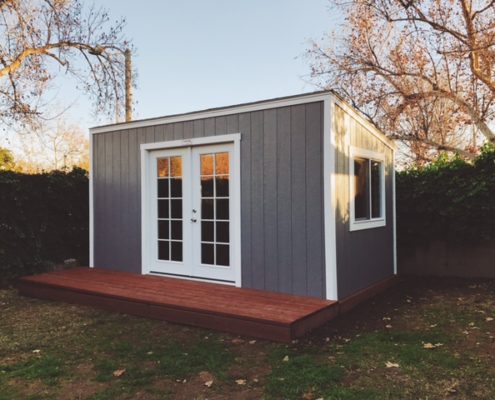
(222, 186)
(222, 232)
(162, 167)
(163, 250)
(361, 188)
(176, 187)
(221, 163)
(207, 164)
(207, 187)
(207, 229)
(163, 208)
(176, 230)
(176, 166)
(223, 255)
(163, 187)
(163, 232)
(176, 251)
(207, 253)
(222, 209)
(176, 210)
(207, 209)
(376, 189)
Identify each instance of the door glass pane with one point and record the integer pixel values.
(163, 208)
(207, 208)
(221, 163)
(222, 208)
(207, 253)
(207, 231)
(163, 250)
(176, 251)
(175, 187)
(207, 186)
(206, 164)
(222, 232)
(169, 185)
(163, 186)
(215, 224)
(176, 166)
(222, 186)
(222, 252)
(162, 167)
(163, 230)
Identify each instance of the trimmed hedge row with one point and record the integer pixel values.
(450, 200)
(43, 221)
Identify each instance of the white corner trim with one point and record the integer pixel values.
(374, 222)
(394, 214)
(91, 206)
(263, 105)
(330, 200)
(233, 137)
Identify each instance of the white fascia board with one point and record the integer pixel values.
(303, 99)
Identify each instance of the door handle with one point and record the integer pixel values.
(194, 220)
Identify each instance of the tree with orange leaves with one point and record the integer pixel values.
(423, 71)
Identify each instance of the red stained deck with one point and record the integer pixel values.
(257, 313)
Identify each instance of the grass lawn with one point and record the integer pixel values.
(424, 339)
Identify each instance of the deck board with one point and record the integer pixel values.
(258, 313)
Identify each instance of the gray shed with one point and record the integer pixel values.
(293, 195)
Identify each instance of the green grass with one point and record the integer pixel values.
(81, 348)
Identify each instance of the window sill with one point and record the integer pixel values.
(368, 224)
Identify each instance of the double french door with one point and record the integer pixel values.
(190, 210)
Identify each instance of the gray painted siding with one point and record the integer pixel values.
(281, 194)
(363, 257)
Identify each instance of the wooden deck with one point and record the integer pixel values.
(249, 312)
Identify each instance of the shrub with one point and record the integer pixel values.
(450, 199)
(43, 221)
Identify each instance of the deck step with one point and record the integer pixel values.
(249, 312)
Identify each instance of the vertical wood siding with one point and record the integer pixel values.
(366, 256)
(281, 194)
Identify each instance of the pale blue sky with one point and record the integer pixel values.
(194, 54)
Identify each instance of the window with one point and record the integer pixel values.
(367, 189)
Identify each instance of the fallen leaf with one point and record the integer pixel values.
(240, 381)
(389, 364)
(208, 383)
(36, 351)
(237, 341)
(255, 380)
(386, 318)
(433, 325)
(285, 359)
(388, 326)
(252, 341)
(119, 372)
(488, 319)
(428, 346)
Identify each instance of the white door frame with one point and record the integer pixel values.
(146, 149)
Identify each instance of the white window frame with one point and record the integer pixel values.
(355, 225)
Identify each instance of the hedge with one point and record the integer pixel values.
(450, 199)
(43, 221)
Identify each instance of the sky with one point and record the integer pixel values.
(196, 54)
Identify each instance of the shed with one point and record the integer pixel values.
(291, 195)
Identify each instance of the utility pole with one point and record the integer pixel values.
(128, 85)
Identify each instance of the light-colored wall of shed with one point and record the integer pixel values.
(366, 256)
(281, 194)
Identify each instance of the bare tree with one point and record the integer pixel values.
(56, 145)
(42, 39)
(423, 71)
